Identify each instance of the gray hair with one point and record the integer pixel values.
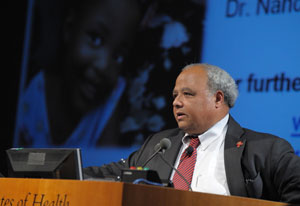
(219, 79)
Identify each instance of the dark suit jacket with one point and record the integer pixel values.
(264, 166)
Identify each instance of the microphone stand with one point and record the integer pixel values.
(150, 158)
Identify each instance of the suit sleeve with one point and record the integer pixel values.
(286, 176)
(111, 170)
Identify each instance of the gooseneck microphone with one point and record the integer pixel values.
(160, 148)
(163, 145)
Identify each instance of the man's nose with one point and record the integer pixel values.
(177, 102)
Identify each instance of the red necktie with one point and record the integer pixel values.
(186, 165)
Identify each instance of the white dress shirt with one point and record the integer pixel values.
(209, 173)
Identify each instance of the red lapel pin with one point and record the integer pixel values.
(239, 143)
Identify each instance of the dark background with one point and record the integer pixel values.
(16, 17)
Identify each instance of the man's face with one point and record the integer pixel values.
(193, 105)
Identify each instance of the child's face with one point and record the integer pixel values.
(97, 41)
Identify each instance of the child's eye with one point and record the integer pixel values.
(95, 39)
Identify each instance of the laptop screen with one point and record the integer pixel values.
(53, 163)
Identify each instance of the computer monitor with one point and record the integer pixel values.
(53, 163)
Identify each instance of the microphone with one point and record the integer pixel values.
(162, 146)
(147, 176)
(189, 151)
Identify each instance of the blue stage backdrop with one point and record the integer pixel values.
(99, 76)
(257, 42)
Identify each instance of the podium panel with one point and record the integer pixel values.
(157, 196)
(53, 192)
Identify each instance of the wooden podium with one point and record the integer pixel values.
(53, 192)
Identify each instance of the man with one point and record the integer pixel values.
(229, 160)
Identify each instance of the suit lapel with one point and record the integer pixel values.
(234, 147)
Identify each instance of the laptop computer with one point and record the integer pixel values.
(53, 163)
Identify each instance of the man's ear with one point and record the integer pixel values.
(219, 98)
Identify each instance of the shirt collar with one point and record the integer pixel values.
(210, 135)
